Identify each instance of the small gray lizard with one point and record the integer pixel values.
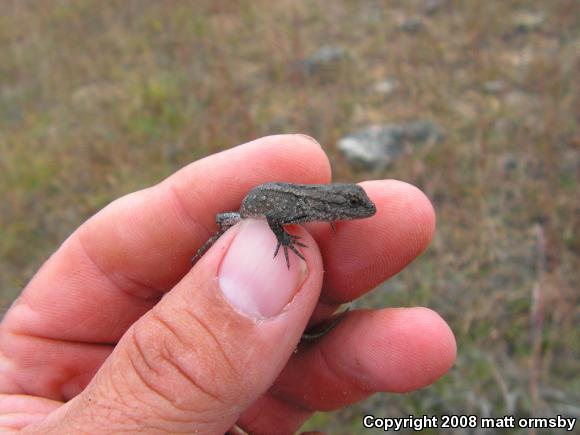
(286, 203)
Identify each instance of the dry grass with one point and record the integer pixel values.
(101, 98)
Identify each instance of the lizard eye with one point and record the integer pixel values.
(354, 201)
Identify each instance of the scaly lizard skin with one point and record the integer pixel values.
(285, 203)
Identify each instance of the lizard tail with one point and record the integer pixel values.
(206, 246)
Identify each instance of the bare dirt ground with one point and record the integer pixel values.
(98, 99)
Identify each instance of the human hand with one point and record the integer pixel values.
(115, 333)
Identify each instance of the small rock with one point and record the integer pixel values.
(504, 126)
(508, 163)
(412, 24)
(465, 109)
(326, 57)
(431, 7)
(386, 86)
(521, 58)
(569, 167)
(420, 132)
(527, 21)
(522, 100)
(494, 87)
(376, 146)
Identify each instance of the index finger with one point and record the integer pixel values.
(119, 263)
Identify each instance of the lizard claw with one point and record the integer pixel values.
(286, 256)
(288, 241)
(293, 249)
(294, 242)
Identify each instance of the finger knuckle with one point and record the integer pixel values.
(173, 356)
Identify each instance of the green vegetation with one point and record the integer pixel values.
(98, 99)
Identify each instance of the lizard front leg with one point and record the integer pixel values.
(224, 221)
(286, 240)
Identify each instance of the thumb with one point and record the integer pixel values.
(211, 347)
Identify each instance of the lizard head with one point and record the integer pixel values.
(355, 203)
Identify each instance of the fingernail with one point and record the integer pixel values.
(251, 279)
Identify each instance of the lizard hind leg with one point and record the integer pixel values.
(224, 221)
(286, 240)
(291, 246)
